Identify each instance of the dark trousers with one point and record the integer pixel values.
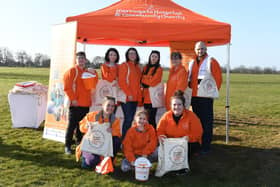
(203, 108)
(129, 109)
(76, 114)
(152, 114)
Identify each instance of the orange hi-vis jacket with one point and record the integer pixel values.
(109, 73)
(139, 143)
(131, 87)
(150, 80)
(91, 117)
(215, 70)
(80, 94)
(189, 125)
(177, 80)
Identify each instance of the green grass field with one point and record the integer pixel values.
(252, 157)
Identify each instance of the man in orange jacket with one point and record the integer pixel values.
(80, 99)
(203, 106)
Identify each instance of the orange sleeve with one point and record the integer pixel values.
(68, 81)
(195, 128)
(183, 80)
(83, 124)
(151, 145)
(116, 131)
(153, 80)
(162, 125)
(122, 74)
(216, 72)
(127, 146)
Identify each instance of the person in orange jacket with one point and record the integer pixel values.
(80, 99)
(90, 160)
(140, 141)
(129, 81)
(203, 106)
(180, 122)
(151, 76)
(109, 70)
(177, 79)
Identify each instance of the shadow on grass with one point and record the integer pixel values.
(225, 165)
(37, 157)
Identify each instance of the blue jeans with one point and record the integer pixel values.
(129, 109)
(203, 108)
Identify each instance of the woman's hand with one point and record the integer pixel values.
(109, 129)
(161, 138)
(132, 163)
(187, 138)
(145, 156)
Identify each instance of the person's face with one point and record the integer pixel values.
(175, 61)
(141, 120)
(112, 56)
(177, 107)
(81, 61)
(108, 107)
(132, 55)
(200, 49)
(154, 58)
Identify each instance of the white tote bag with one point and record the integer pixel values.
(188, 97)
(98, 140)
(172, 155)
(208, 88)
(157, 95)
(104, 88)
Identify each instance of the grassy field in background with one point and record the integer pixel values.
(252, 157)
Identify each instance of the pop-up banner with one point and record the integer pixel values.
(62, 58)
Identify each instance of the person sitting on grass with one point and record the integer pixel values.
(140, 141)
(90, 160)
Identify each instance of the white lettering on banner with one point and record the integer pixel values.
(150, 13)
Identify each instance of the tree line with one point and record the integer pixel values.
(23, 59)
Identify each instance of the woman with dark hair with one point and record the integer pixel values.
(129, 75)
(109, 70)
(180, 122)
(177, 79)
(151, 76)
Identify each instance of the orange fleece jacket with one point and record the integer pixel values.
(189, 125)
(90, 117)
(109, 73)
(132, 87)
(150, 80)
(177, 80)
(139, 143)
(81, 94)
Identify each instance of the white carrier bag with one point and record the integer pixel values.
(207, 87)
(104, 88)
(157, 95)
(98, 140)
(172, 155)
(121, 96)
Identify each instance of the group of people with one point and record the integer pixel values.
(140, 134)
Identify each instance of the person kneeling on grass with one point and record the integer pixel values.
(90, 160)
(180, 122)
(140, 141)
